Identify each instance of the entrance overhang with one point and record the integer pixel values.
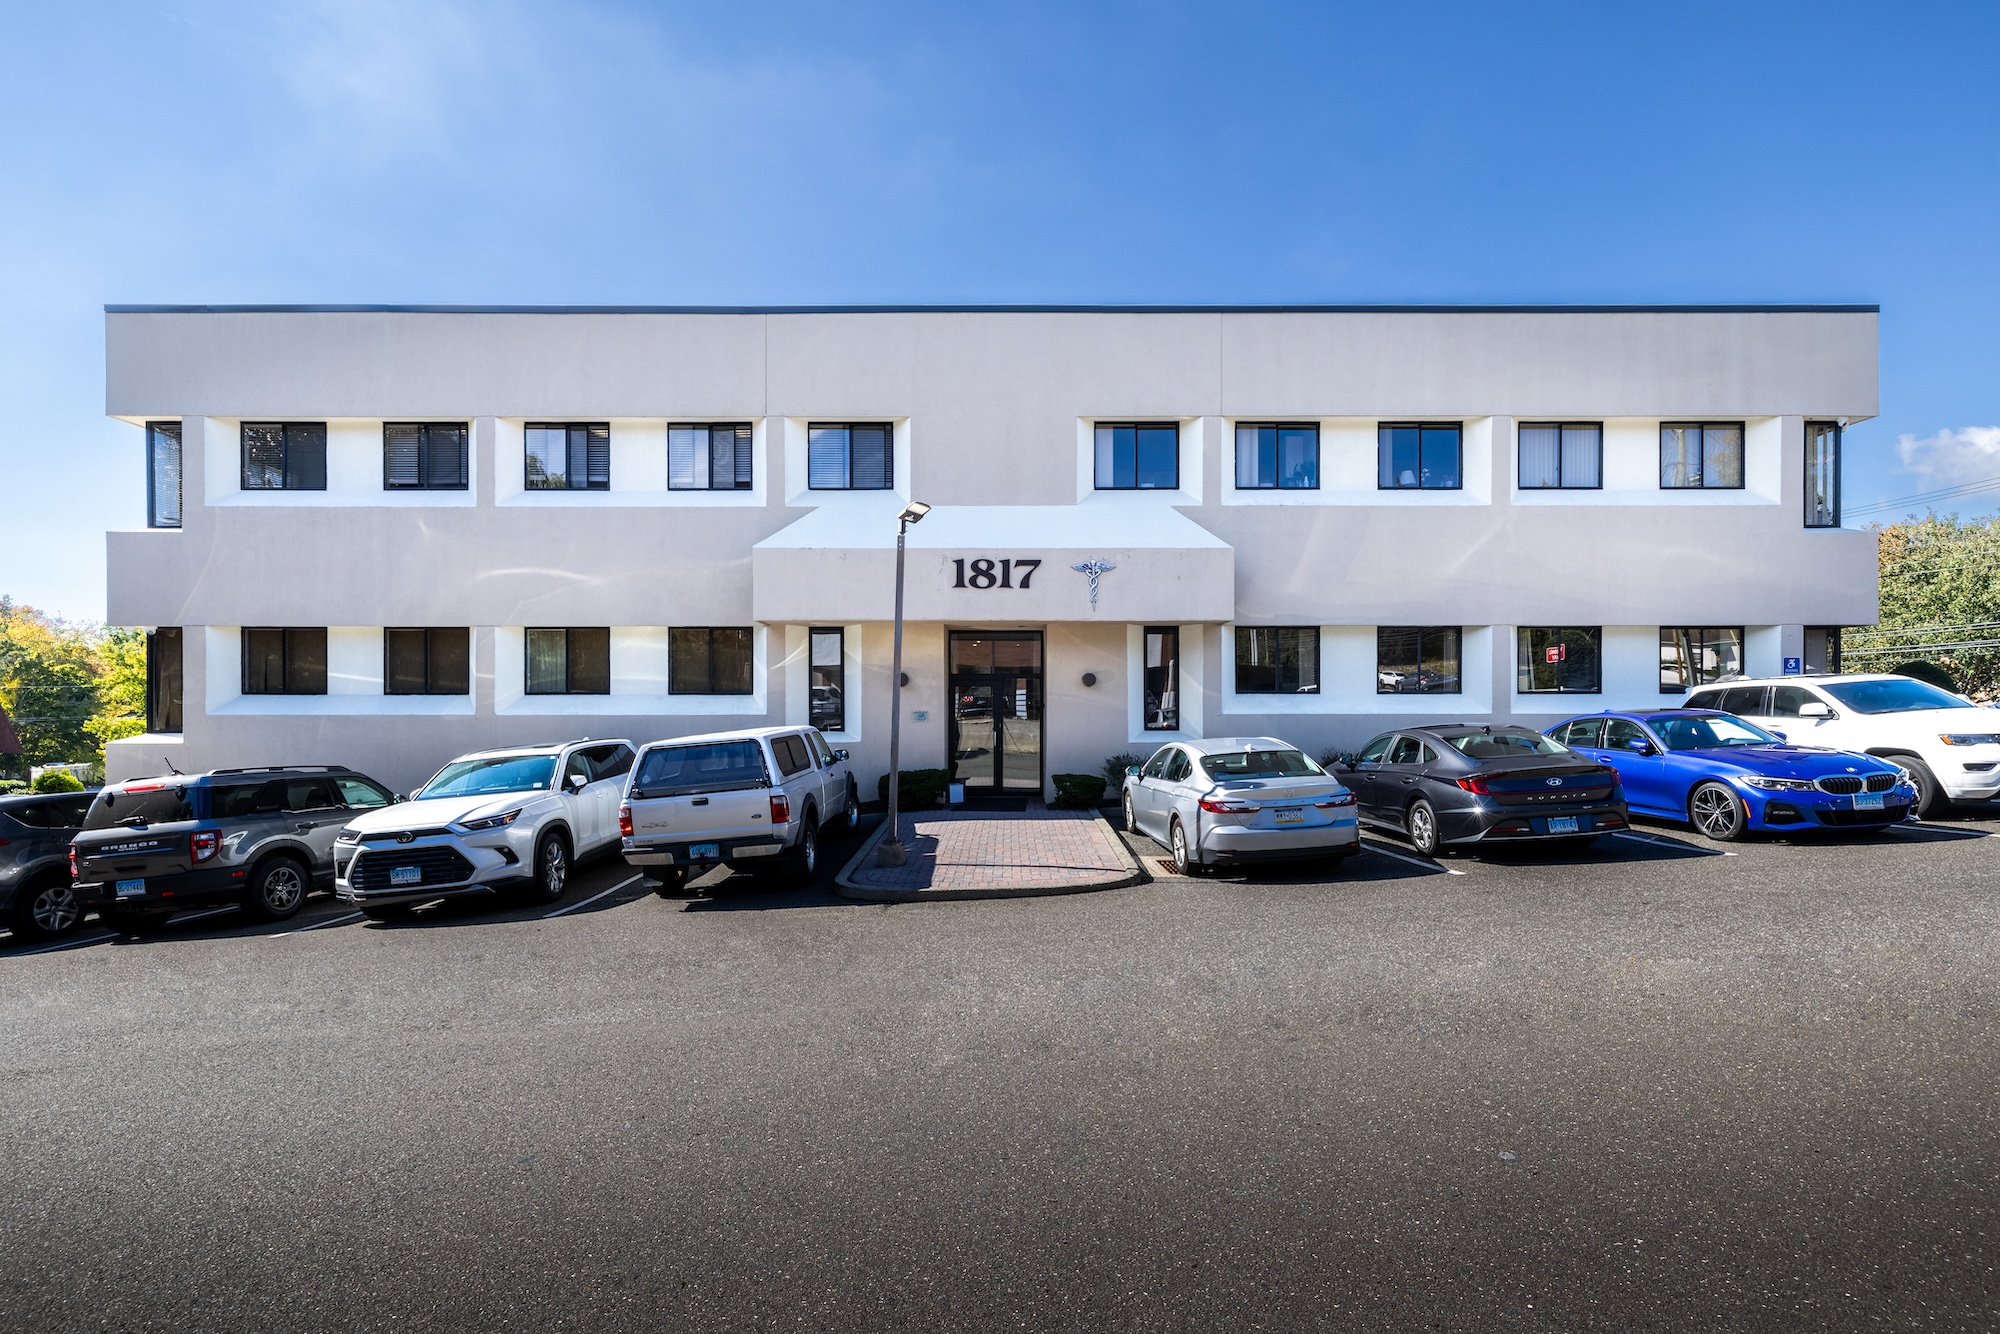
(981, 564)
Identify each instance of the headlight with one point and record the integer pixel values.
(1780, 784)
(348, 835)
(500, 821)
(1969, 739)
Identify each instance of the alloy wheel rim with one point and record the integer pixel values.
(1420, 827)
(810, 853)
(282, 888)
(1180, 848)
(55, 909)
(555, 871)
(1714, 811)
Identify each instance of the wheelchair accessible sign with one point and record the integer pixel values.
(1795, 666)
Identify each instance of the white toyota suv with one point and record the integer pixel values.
(1950, 745)
(496, 820)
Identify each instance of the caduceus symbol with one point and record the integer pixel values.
(1091, 569)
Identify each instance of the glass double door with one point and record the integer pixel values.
(996, 710)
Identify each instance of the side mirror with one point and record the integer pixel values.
(1778, 732)
(1815, 710)
(1132, 771)
(397, 798)
(576, 782)
(840, 756)
(1638, 745)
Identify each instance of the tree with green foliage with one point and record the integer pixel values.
(1940, 591)
(121, 687)
(48, 684)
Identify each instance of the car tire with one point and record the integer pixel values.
(552, 862)
(1131, 817)
(46, 911)
(278, 889)
(1932, 803)
(850, 819)
(670, 882)
(1422, 826)
(388, 912)
(803, 861)
(1717, 813)
(1177, 844)
(128, 923)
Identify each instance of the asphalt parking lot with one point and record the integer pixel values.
(1653, 1085)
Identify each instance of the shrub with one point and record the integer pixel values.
(1115, 767)
(1076, 791)
(916, 789)
(1930, 673)
(1328, 758)
(10, 786)
(56, 780)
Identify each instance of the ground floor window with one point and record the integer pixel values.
(427, 662)
(1418, 660)
(1693, 656)
(710, 660)
(828, 665)
(284, 661)
(1163, 678)
(1822, 648)
(569, 661)
(1561, 660)
(1277, 660)
(163, 680)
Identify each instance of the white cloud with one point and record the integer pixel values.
(1950, 458)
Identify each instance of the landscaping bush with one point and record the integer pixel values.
(56, 780)
(10, 786)
(1115, 767)
(1076, 791)
(916, 789)
(1930, 673)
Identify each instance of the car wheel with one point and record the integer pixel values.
(805, 857)
(1422, 824)
(1931, 800)
(1715, 811)
(128, 923)
(388, 912)
(851, 817)
(670, 883)
(1131, 819)
(46, 911)
(1177, 843)
(551, 867)
(277, 889)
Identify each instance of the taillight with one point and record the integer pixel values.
(73, 874)
(1227, 805)
(625, 822)
(202, 844)
(1475, 784)
(1338, 799)
(781, 808)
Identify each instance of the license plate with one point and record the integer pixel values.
(406, 875)
(1562, 824)
(704, 851)
(136, 889)
(1291, 815)
(1868, 801)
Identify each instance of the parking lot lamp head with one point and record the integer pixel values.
(889, 852)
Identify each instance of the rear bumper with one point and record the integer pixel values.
(1224, 843)
(728, 851)
(1502, 825)
(168, 891)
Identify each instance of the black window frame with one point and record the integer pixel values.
(1279, 484)
(1521, 483)
(1382, 447)
(888, 429)
(1742, 453)
(742, 460)
(1829, 517)
(430, 671)
(1422, 633)
(674, 686)
(596, 444)
(1157, 684)
(833, 719)
(166, 649)
(156, 432)
(1311, 635)
(1742, 647)
(1522, 664)
(1097, 478)
(295, 661)
(428, 448)
(293, 464)
(571, 675)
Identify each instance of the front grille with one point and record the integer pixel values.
(440, 866)
(1848, 819)
(397, 836)
(1840, 785)
(1882, 782)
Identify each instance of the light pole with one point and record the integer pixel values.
(889, 852)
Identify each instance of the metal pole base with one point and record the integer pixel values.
(889, 852)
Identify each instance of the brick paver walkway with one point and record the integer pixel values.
(997, 850)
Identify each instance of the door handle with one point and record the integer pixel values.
(1408, 782)
(303, 827)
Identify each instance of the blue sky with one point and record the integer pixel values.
(770, 153)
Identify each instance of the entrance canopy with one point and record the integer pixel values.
(977, 564)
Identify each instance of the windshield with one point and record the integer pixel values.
(1260, 764)
(497, 773)
(713, 766)
(138, 805)
(1709, 733)
(1897, 695)
(1505, 745)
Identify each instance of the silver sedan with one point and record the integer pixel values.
(1228, 800)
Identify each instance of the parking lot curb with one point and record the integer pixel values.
(845, 885)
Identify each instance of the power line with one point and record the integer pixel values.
(1927, 497)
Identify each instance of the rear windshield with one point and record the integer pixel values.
(1900, 695)
(709, 766)
(1709, 733)
(140, 805)
(1505, 745)
(494, 774)
(1260, 764)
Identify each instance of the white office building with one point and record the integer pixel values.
(386, 536)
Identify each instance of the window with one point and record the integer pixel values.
(423, 456)
(1822, 474)
(163, 474)
(1277, 660)
(710, 660)
(1786, 701)
(1373, 752)
(1286, 457)
(163, 680)
(712, 766)
(1417, 660)
(791, 754)
(708, 458)
(284, 662)
(427, 662)
(569, 661)
(1162, 707)
(1561, 455)
(1620, 733)
(1157, 765)
(1695, 656)
(856, 456)
(284, 456)
(594, 764)
(1179, 766)
(1561, 660)
(1407, 750)
(827, 665)
(820, 748)
(1582, 732)
(574, 457)
(1745, 700)
(1703, 455)
(1138, 456)
(1416, 455)
(360, 795)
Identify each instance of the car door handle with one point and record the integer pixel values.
(303, 827)
(1408, 781)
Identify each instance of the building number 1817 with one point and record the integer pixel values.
(986, 572)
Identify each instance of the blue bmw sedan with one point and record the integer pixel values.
(1726, 776)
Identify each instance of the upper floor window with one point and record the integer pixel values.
(1418, 660)
(1695, 655)
(828, 668)
(1277, 660)
(427, 661)
(708, 458)
(1561, 455)
(284, 456)
(569, 661)
(851, 456)
(1138, 456)
(570, 457)
(1280, 456)
(1418, 455)
(1822, 474)
(163, 474)
(284, 661)
(423, 456)
(1701, 455)
(1560, 660)
(711, 660)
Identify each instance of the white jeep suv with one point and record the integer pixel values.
(1950, 745)
(517, 818)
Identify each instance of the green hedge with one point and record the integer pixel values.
(56, 780)
(916, 789)
(10, 786)
(1078, 790)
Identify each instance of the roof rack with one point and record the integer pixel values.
(282, 769)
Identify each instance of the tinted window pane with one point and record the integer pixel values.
(305, 456)
(1692, 656)
(826, 458)
(1158, 463)
(1582, 456)
(403, 654)
(707, 767)
(548, 458)
(163, 680)
(828, 669)
(1122, 457)
(158, 805)
(163, 474)
(548, 657)
(1439, 452)
(1540, 449)
(1256, 456)
(1277, 660)
(1722, 456)
(1822, 475)
(1107, 458)
(305, 662)
(1298, 457)
(1561, 659)
(1746, 700)
(450, 662)
(870, 458)
(402, 455)
(1398, 457)
(263, 662)
(1162, 684)
(263, 456)
(590, 662)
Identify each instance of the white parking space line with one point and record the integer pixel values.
(201, 916)
(314, 926)
(632, 880)
(1414, 861)
(1672, 843)
(67, 945)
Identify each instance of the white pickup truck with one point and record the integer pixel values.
(753, 800)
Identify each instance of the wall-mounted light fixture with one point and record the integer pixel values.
(1090, 678)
